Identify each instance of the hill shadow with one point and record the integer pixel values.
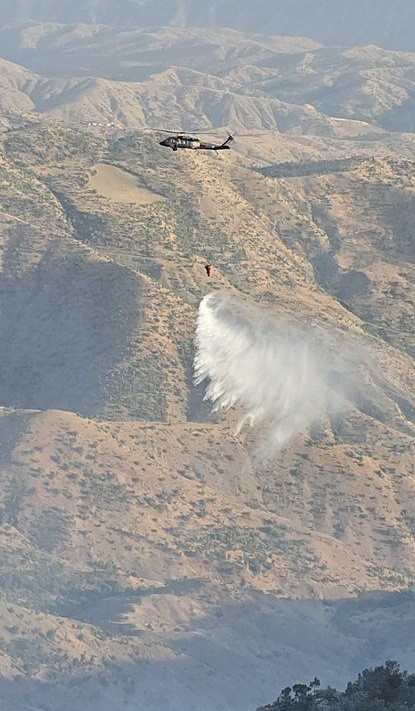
(236, 658)
(64, 324)
(303, 169)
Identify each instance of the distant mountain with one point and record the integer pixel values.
(388, 23)
(132, 53)
(186, 78)
(203, 78)
(177, 97)
(367, 83)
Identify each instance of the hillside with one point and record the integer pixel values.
(114, 476)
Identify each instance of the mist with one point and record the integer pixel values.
(284, 376)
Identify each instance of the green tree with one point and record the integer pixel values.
(384, 688)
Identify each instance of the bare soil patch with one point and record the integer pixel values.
(120, 186)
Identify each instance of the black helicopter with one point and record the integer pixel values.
(180, 140)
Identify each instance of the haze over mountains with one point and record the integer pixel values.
(147, 561)
(388, 23)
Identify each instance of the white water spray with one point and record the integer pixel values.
(282, 374)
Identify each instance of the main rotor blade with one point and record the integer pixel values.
(200, 135)
(165, 130)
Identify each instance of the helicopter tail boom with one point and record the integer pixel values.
(226, 143)
(214, 147)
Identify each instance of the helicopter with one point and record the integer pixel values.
(180, 140)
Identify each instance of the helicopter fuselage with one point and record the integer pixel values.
(191, 143)
(176, 142)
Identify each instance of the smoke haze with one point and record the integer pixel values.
(286, 377)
